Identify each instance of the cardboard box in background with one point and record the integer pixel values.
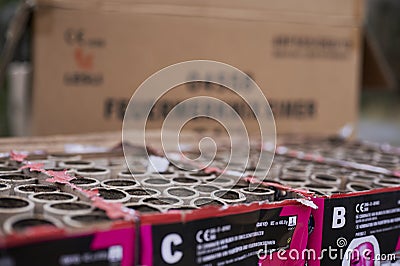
(90, 56)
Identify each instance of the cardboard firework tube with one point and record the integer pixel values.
(36, 174)
(3, 162)
(293, 181)
(184, 193)
(116, 169)
(315, 191)
(132, 174)
(280, 194)
(143, 207)
(207, 201)
(391, 158)
(85, 182)
(321, 187)
(112, 194)
(321, 168)
(5, 189)
(296, 170)
(222, 181)
(205, 189)
(138, 176)
(100, 173)
(116, 166)
(70, 172)
(229, 196)
(79, 164)
(386, 182)
(43, 198)
(357, 186)
(300, 163)
(326, 179)
(297, 175)
(60, 169)
(61, 209)
(240, 185)
(139, 192)
(162, 202)
(26, 190)
(9, 170)
(119, 183)
(166, 174)
(17, 179)
(11, 205)
(274, 172)
(343, 172)
(22, 222)
(158, 183)
(258, 194)
(387, 164)
(16, 164)
(202, 176)
(185, 181)
(259, 174)
(181, 208)
(57, 158)
(363, 178)
(85, 220)
(243, 182)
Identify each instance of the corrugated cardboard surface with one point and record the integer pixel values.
(90, 56)
(56, 143)
(109, 141)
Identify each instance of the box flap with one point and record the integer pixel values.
(339, 13)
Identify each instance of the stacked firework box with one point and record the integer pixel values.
(90, 209)
(357, 193)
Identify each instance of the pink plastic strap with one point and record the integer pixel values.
(38, 167)
(58, 177)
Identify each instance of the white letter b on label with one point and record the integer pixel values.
(339, 219)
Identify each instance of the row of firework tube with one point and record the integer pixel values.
(323, 179)
(378, 155)
(27, 199)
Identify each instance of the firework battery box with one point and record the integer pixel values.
(227, 234)
(360, 224)
(344, 225)
(238, 235)
(304, 56)
(275, 233)
(113, 245)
